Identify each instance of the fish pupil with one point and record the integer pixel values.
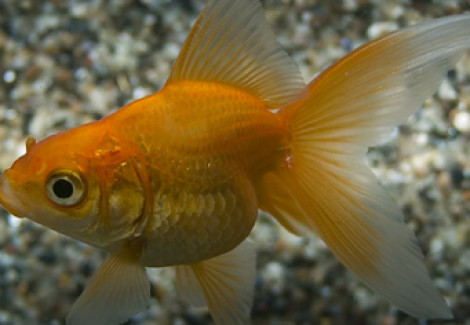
(63, 188)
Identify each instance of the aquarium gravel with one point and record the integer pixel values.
(65, 63)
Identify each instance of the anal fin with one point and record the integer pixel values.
(224, 283)
(275, 199)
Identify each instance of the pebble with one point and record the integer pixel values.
(365, 298)
(9, 76)
(465, 259)
(67, 62)
(461, 122)
(380, 29)
(436, 248)
(274, 274)
(350, 5)
(447, 91)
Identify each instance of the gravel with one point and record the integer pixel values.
(65, 63)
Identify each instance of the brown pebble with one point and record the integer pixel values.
(466, 196)
(32, 73)
(3, 40)
(64, 281)
(388, 320)
(444, 181)
(63, 75)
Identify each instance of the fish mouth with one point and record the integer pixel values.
(8, 199)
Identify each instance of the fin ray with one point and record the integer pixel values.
(284, 207)
(364, 96)
(225, 283)
(362, 226)
(117, 291)
(232, 43)
(352, 105)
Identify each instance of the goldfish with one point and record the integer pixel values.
(177, 178)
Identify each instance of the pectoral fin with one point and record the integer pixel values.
(118, 290)
(225, 283)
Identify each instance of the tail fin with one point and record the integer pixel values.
(326, 186)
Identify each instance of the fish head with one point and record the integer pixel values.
(80, 183)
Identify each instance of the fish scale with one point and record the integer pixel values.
(209, 149)
(182, 228)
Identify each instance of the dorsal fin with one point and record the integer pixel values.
(232, 43)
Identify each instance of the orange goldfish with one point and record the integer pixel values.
(177, 178)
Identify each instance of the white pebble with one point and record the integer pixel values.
(452, 238)
(420, 165)
(381, 29)
(79, 10)
(436, 247)
(39, 122)
(6, 259)
(274, 271)
(9, 76)
(447, 91)
(265, 233)
(350, 5)
(81, 73)
(421, 139)
(364, 298)
(274, 274)
(313, 248)
(406, 168)
(396, 11)
(172, 50)
(462, 122)
(439, 161)
(40, 86)
(395, 177)
(5, 317)
(13, 221)
(140, 92)
(10, 114)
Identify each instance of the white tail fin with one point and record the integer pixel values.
(326, 186)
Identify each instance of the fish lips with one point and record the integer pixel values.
(9, 199)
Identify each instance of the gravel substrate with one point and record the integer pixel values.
(64, 63)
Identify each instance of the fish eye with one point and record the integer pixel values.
(65, 187)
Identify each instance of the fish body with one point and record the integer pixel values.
(201, 144)
(177, 178)
(173, 169)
